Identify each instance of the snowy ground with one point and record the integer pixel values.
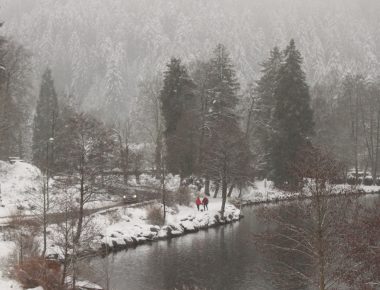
(6, 248)
(21, 186)
(20, 191)
(264, 191)
(129, 226)
(18, 182)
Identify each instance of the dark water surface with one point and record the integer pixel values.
(219, 258)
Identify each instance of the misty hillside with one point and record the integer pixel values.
(129, 122)
(92, 44)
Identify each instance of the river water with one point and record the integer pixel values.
(218, 258)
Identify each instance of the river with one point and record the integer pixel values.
(218, 258)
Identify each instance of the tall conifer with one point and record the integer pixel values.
(293, 117)
(45, 120)
(178, 109)
(264, 105)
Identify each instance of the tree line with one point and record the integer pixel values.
(200, 123)
(348, 122)
(340, 115)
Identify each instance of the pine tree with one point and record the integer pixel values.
(5, 102)
(178, 108)
(223, 83)
(115, 98)
(227, 154)
(263, 106)
(293, 117)
(8, 125)
(14, 84)
(45, 120)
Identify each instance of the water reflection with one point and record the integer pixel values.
(219, 258)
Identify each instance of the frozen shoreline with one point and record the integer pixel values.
(124, 227)
(128, 227)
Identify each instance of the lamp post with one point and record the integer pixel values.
(50, 141)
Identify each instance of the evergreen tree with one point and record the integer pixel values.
(13, 83)
(292, 119)
(45, 120)
(223, 83)
(114, 95)
(8, 125)
(178, 110)
(5, 102)
(263, 106)
(227, 154)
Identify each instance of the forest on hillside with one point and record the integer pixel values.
(122, 122)
(112, 67)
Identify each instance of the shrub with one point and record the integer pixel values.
(36, 271)
(183, 196)
(155, 215)
(23, 232)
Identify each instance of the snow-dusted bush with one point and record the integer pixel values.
(155, 215)
(37, 271)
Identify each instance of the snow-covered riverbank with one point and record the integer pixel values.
(264, 192)
(124, 227)
(129, 226)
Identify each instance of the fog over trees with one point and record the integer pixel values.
(101, 53)
(158, 103)
(92, 44)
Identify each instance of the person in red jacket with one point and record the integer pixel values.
(205, 203)
(198, 202)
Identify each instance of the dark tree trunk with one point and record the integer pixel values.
(19, 145)
(224, 194)
(207, 186)
(45, 222)
(230, 190)
(125, 164)
(81, 204)
(157, 159)
(216, 189)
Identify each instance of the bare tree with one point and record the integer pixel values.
(65, 237)
(149, 118)
(369, 106)
(136, 159)
(362, 247)
(305, 238)
(82, 152)
(228, 160)
(163, 181)
(123, 132)
(23, 232)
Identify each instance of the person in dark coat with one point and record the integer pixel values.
(198, 202)
(205, 203)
